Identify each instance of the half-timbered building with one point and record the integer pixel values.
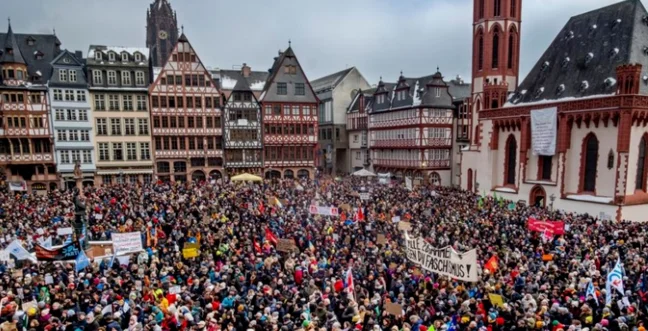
(410, 129)
(573, 135)
(289, 120)
(357, 120)
(186, 114)
(26, 146)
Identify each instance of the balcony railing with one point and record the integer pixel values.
(438, 142)
(395, 143)
(411, 163)
(25, 158)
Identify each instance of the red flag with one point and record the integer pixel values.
(350, 285)
(343, 216)
(261, 208)
(554, 228)
(359, 214)
(271, 237)
(257, 247)
(492, 264)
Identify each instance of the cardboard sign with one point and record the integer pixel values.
(17, 273)
(347, 240)
(64, 231)
(5, 255)
(394, 309)
(175, 289)
(496, 300)
(286, 245)
(381, 239)
(404, 226)
(345, 207)
(396, 219)
(27, 305)
(364, 196)
(190, 250)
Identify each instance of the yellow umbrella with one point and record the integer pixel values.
(247, 178)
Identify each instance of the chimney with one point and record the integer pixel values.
(245, 70)
(78, 55)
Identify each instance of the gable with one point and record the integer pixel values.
(288, 71)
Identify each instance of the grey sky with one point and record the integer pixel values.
(380, 37)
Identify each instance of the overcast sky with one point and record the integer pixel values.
(380, 37)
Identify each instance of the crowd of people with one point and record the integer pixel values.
(341, 273)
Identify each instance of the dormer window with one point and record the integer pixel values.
(560, 89)
(380, 99)
(589, 57)
(38, 55)
(584, 86)
(545, 66)
(31, 41)
(111, 56)
(98, 56)
(124, 57)
(138, 57)
(565, 62)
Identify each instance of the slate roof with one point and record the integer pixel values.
(46, 44)
(11, 51)
(586, 52)
(354, 107)
(421, 92)
(330, 81)
(229, 79)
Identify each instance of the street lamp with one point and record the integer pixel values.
(477, 187)
(121, 176)
(552, 198)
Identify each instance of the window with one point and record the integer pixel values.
(495, 62)
(513, 8)
(63, 75)
(138, 57)
(73, 75)
(295, 110)
(115, 126)
(35, 98)
(511, 163)
(481, 8)
(65, 157)
(306, 110)
(124, 57)
(199, 122)
(97, 56)
(100, 102)
(69, 95)
(74, 135)
(497, 7)
(165, 121)
(111, 56)
(286, 110)
(71, 115)
(61, 135)
(511, 50)
(142, 123)
(87, 156)
(139, 78)
(118, 153)
(128, 102)
(126, 78)
(113, 102)
(85, 135)
(590, 147)
(97, 78)
(112, 77)
(198, 102)
(80, 95)
(102, 126)
(163, 167)
(103, 152)
(189, 102)
(299, 89)
(129, 126)
(545, 163)
(610, 160)
(76, 156)
(145, 152)
(282, 89)
(59, 114)
(83, 115)
(141, 102)
(131, 151)
(640, 182)
(58, 95)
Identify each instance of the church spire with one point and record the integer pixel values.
(161, 30)
(11, 52)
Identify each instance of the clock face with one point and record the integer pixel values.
(162, 34)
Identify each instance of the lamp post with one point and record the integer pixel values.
(552, 198)
(477, 187)
(121, 176)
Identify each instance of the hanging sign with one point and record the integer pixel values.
(125, 243)
(544, 127)
(323, 210)
(443, 261)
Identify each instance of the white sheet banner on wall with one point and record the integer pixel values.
(408, 183)
(124, 243)
(18, 186)
(324, 210)
(384, 178)
(544, 128)
(443, 261)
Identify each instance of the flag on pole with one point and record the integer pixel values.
(350, 286)
(271, 237)
(112, 261)
(68, 240)
(17, 249)
(257, 247)
(614, 280)
(82, 261)
(591, 291)
(360, 214)
(278, 203)
(492, 264)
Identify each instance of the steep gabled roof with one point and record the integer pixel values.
(71, 55)
(582, 59)
(354, 106)
(30, 44)
(330, 81)
(230, 78)
(270, 95)
(11, 50)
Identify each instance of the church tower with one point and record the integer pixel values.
(496, 54)
(161, 31)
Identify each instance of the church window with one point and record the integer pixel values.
(497, 7)
(480, 51)
(641, 165)
(481, 8)
(496, 37)
(511, 50)
(513, 8)
(511, 154)
(590, 151)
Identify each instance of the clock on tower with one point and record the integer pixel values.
(163, 34)
(161, 31)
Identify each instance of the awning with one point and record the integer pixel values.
(125, 172)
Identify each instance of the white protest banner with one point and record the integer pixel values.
(395, 219)
(5, 255)
(364, 196)
(125, 243)
(18, 186)
(544, 128)
(383, 178)
(64, 231)
(323, 210)
(408, 183)
(443, 261)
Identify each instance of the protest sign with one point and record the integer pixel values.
(286, 245)
(404, 226)
(30, 304)
(63, 253)
(345, 207)
(125, 243)
(190, 250)
(551, 227)
(64, 231)
(5, 255)
(175, 289)
(496, 300)
(443, 261)
(364, 196)
(381, 240)
(396, 219)
(323, 210)
(394, 309)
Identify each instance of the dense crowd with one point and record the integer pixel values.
(240, 281)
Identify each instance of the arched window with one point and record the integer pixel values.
(513, 8)
(470, 180)
(590, 147)
(497, 7)
(511, 49)
(480, 51)
(435, 179)
(511, 160)
(496, 38)
(641, 165)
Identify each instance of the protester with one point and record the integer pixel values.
(344, 272)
